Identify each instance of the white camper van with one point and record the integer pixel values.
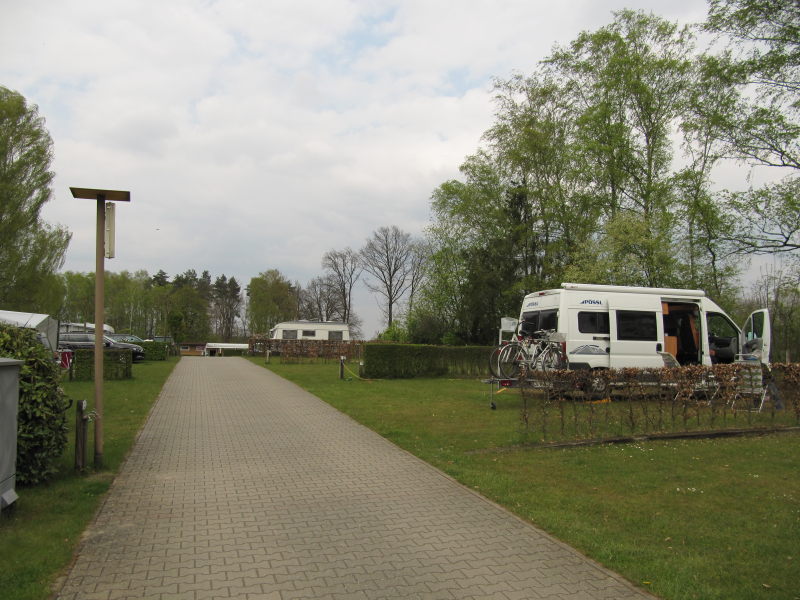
(605, 326)
(311, 330)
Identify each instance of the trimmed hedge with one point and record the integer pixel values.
(155, 350)
(41, 418)
(117, 364)
(395, 361)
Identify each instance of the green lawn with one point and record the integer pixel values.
(701, 518)
(39, 533)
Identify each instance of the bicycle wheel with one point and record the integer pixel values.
(510, 360)
(494, 369)
(551, 359)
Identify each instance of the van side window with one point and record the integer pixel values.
(636, 325)
(593, 322)
(289, 334)
(723, 338)
(335, 336)
(720, 326)
(307, 333)
(757, 330)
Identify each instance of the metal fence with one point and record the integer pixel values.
(564, 406)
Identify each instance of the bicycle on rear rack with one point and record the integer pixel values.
(533, 352)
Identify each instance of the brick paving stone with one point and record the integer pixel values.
(242, 485)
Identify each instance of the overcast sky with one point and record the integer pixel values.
(257, 134)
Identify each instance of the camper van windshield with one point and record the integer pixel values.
(537, 320)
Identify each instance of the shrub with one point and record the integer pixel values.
(388, 361)
(394, 333)
(42, 419)
(155, 350)
(117, 364)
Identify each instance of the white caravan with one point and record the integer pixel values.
(606, 326)
(46, 327)
(311, 330)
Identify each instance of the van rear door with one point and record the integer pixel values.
(756, 337)
(637, 331)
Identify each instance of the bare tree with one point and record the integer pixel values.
(319, 300)
(343, 271)
(387, 257)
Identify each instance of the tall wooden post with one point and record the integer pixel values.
(99, 330)
(99, 196)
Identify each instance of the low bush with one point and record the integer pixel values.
(155, 350)
(391, 361)
(117, 364)
(41, 418)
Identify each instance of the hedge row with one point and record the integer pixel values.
(117, 364)
(394, 361)
(155, 350)
(41, 418)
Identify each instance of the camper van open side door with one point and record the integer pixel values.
(756, 337)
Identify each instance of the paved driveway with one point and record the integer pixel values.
(242, 485)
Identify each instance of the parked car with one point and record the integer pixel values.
(74, 341)
(127, 338)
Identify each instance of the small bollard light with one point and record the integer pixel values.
(341, 367)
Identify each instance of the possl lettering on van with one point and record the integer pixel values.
(597, 302)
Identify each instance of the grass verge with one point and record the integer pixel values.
(701, 518)
(39, 533)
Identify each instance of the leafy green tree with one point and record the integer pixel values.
(78, 304)
(159, 301)
(577, 181)
(761, 123)
(227, 300)
(633, 82)
(31, 250)
(632, 251)
(188, 318)
(160, 279)
(271, 299)
(127, 301)
(441, 305)
(763, 55)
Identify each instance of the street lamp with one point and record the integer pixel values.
(101, 196)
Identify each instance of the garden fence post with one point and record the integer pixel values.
(81, 434)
